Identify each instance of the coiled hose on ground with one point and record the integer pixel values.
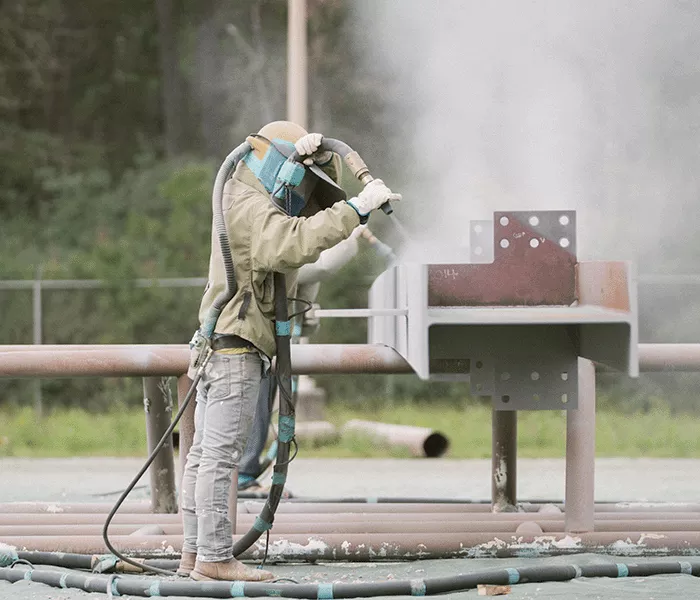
(119, 585)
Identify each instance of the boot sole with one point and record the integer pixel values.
(199, 577)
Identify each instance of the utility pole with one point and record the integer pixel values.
(297, 63)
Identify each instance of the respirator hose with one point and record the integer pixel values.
(219, 225)
(285, 433)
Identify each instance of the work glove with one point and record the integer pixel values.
(308, 146)
(372, 197)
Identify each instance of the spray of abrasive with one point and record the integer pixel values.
(403, 233)
(384, 250)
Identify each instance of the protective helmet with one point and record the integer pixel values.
(293, 186)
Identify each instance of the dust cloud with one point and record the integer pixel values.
(513, 105)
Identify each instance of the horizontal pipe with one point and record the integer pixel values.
(426, 528)
(247, 520)
(83, 529)
(669, 357)
(356, 313)
(91, 284)
(367, 547)
(172, 359)
(140, 513)
(53, 508)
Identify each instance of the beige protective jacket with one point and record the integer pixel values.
(264, 240)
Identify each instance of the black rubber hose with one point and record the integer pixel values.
(285, 433)
(87, 562)
(143, 469)
(143, 587)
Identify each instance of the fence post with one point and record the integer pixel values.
(158, 406)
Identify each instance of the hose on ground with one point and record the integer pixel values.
(144, 587)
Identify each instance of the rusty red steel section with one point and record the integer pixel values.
(520, 275)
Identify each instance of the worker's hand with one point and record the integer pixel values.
(308, 146)
(372, 197)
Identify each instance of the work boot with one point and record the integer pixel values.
(228, 570)
(186, 563)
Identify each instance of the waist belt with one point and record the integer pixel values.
(222, 342)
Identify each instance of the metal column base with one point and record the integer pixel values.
(504, 450)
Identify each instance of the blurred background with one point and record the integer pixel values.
(113, 121)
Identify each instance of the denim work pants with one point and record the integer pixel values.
(227, 396)
(250, 463)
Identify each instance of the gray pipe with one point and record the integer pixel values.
(217, 195)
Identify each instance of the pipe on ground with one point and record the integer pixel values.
(421, 441)
(316, 433)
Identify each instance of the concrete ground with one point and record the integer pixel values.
(616, 479)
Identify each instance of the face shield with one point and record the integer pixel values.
(295, 188)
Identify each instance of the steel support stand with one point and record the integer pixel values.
(580, 454)
(158, 407)
(504, 453)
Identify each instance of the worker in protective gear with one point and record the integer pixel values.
(272, 227)
(309, 280)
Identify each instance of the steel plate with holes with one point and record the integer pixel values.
(481, 242)
(520, 367)
(534, 263)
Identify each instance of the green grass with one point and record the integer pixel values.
(541, 434)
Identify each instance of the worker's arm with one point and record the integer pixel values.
(282, 243)
(331, 260)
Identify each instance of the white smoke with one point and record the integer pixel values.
(545, 104)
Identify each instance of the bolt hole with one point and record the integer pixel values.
(565, 376)
(479, 387)
(479, 364)
(534, 376)
(504, 221)
(564, 220)
(505, 376)
(505, 243)
(534, 242)
(536, 397)
(564, 398)
(505, 399)
(478, 250)
(564, 242)
(534, 221)
(477, 228)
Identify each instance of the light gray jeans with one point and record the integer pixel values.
(226, 398)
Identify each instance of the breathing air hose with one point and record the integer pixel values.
(142, 587)
(264, 521)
